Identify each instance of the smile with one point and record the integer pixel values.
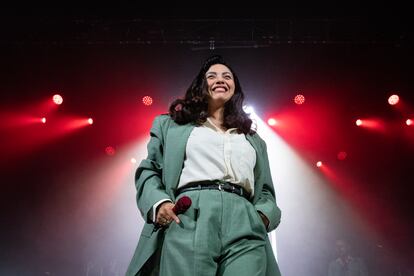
(220, 89)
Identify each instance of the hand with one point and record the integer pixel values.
(265, 219)
(165, 214)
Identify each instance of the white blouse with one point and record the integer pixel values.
(212, 153)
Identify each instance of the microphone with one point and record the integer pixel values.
(180, 207)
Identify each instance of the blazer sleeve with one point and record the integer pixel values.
(148, 176)
(267, 200)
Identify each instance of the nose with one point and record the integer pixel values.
(220, 79)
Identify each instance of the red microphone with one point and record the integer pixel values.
(182, 205)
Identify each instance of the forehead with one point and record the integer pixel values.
(218, 68)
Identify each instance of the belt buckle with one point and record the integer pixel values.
(220, 186)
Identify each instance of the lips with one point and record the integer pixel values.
(220, 89)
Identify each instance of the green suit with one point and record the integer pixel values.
(157, 178)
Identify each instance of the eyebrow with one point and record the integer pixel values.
(215, 73)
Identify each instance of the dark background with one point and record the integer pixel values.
(105, 60)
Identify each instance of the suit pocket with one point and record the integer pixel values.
(188, 219)
(257, 219)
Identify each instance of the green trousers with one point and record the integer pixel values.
(220, 234)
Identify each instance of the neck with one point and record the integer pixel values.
(217, 113)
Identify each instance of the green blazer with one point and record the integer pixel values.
(157, 178)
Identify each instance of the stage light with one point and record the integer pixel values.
(248, 109)
(109, 150)
(393, 99)
(409, 122)
(133, 160)
(358, 122)
(342, 155)
(43, 120)
(147, 100)
(299, 99)
(90, 121)
(319, 164)
(57, 99)
(271, 122)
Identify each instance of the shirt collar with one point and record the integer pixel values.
(209, 123)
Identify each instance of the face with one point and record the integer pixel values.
(220, 84)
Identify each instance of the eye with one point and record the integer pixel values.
(227, 77)
(210, 77)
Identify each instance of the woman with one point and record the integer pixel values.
(205, 149)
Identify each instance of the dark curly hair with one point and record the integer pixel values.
(194, 107)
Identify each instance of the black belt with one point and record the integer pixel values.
(214, 185)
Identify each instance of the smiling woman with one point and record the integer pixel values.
(220, 85)
(216, 94)
(205, 149)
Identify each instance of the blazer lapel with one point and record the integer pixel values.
(175, 145)
(257, 184)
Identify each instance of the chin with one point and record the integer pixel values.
(221, 100)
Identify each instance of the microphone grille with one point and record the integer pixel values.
(184, 202)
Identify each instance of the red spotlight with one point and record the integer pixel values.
(409, 122)
(109, 150)
(57, 99)
(43, 120)
(374, 124)
(147, 100)
(271, 122)
(299, 99)
(342, 155)
(90, 121)
(319, 164)
(393, 99)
